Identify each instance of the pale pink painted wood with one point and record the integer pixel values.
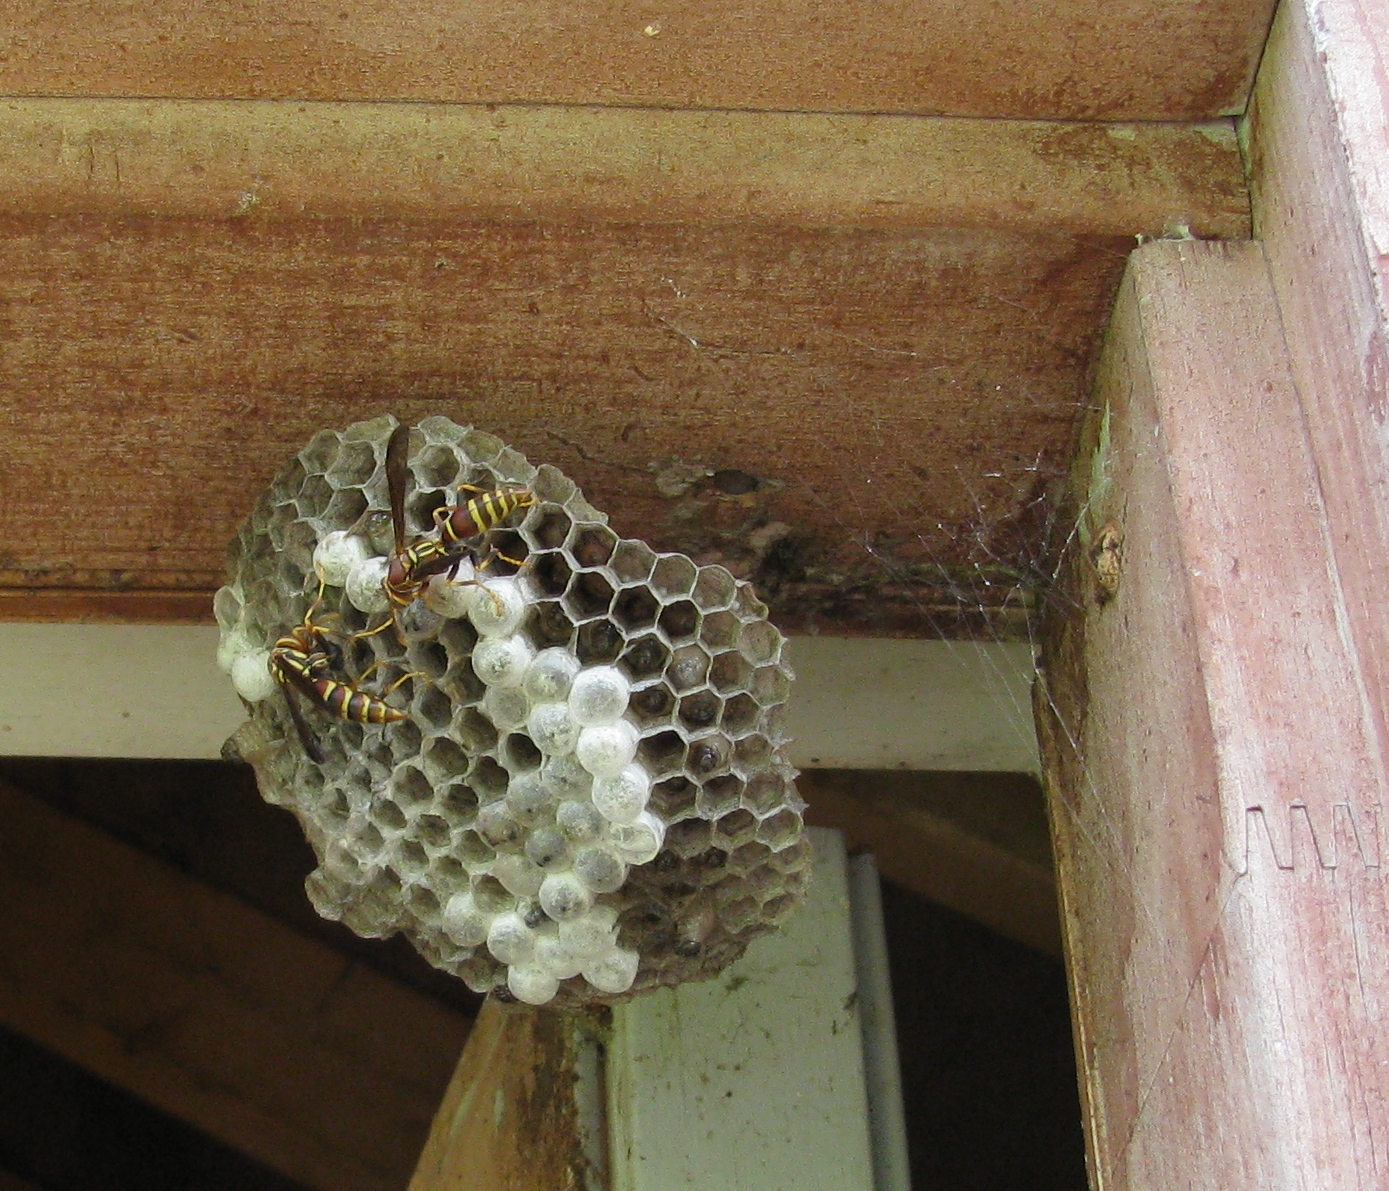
(1220, 850)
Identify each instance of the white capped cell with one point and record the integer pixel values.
(554, 955)
(231, 645)
(510, 940)
(599, 695)
(606, 750)
(612, 973)
(591, 934)
(528, 798)
(621, 798)
(364, 586)
(547, 848)
(563, 896)
(551, 674)
(566, 777)
(639, 841)
(518, 874)
(449, 593)
(463, 922)
(502, 661)
(552, 728)
(600, 869)
(506, 706)
(531, 984)
(252, 677)
(581, 821)
(336, 554)
(496, 606)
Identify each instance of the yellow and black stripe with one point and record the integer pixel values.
(476, 516)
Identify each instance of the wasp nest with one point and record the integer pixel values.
(587, 796)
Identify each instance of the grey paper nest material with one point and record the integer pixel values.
(588, 796)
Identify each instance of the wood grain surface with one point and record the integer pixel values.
(1131, 59)
(889, 365)
(1216, 797)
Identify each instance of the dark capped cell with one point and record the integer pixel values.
(550, 573)
(592, 545)
(673, 798)
(689, 667)
(680, 621)
(599, 641)
(700, 710)
(652, 705)
(635, 608)
(590, 594)
(644, 658)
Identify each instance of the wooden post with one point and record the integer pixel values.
(1211, 763)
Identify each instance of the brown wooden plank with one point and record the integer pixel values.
(210, 1010)
(1215, 799)
(510, 1118)
(1131, 59)
(974, 842)
(901, 387)
(1317, 150)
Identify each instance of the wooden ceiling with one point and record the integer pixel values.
(814, 293)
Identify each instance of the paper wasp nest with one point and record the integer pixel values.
(588, 796)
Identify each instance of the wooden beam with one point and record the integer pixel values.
(243, 274)
(1131, 59)
(976, 843)
(1216, 795)
(511, 1118)
(308, 1061)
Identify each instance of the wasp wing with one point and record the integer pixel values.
(398, 480)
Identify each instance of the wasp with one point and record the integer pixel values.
(414, 562)
(305, 659)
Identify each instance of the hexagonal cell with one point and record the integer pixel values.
(388, 816)
(747, 605)
(760, 642)
(589, 594)
(736, 827)
(719, 795)
(434, 708)
(410, 787)
(708, 755)
(673, 577)
(473, 730)
(429, 658)
(653, 705)
(700, 710)
(599, 641)
(353, 466)
(489, 780)
(714, 589)
(547, 527)
(435, 466)
(765, 792)
(781, 829)
(673, 798)
(635, 608)
(632, 561)
(750, 862)
(720, 630)
(444, 760)
(662, 753)
(318, 456)
(433, 830)
(752, 754)
(680, 621)
(409, 858)
(550, 625)
(549, 573)
(551, 484)
(739, 715)
(689, 667)
(519, 753)
(771, 684)
(458, 804)
(645, 658)
(730, 673)
(689, 837)
(345, 507)
(474, 851)
(592, 545)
